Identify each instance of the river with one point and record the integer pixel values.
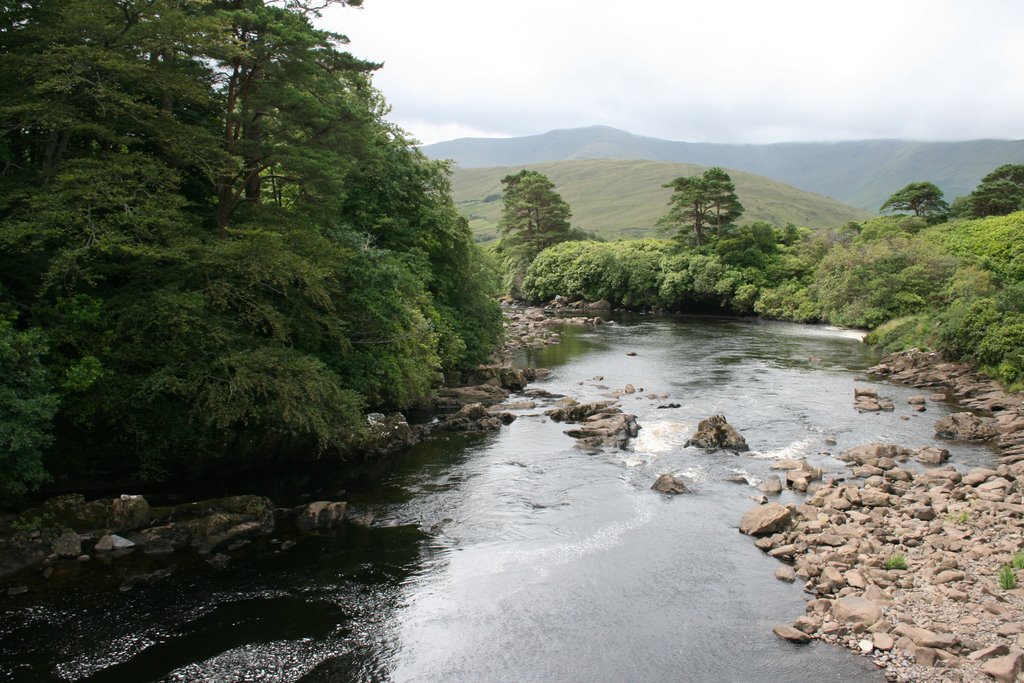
(515, 556)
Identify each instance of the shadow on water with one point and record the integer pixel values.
(227, 626)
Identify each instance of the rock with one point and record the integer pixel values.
(668, 483)
(211, 524)
(985, 653)
(882, 641)
(68, 545)
(321, 515)
(601, 306)
(948, 576)
(772, 485)
(785, 573)
(715, 432)
(1005, 669)
(765, 519)
(110, 542)
(930, 455)
(578, 412)
(791, 634)
(605, 429)
(966, 427)
(854, 609)
(386, 434)
(128, 513)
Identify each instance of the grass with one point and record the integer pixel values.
(1007, 577)
(962, 518)
(614, 198)
(896, 561)
(1018, 560)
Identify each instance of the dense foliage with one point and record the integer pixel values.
(999, 193)
(213, 249)
(956, 286)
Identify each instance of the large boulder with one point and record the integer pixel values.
(715, 432)
(474, 417)
(128, 513)
(765, 519)
(212, 525)
(966, 427)
(577, 412)
(386, 434)
(668, 483)
(68, 545)
(73, 511)
(855, 609)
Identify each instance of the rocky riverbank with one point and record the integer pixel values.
(915, 567)
(69, 528)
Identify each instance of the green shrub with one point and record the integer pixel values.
(896, 561)
(1007, 577)
(1018, 560)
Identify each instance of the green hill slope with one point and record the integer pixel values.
(860, 173)
(617, 198)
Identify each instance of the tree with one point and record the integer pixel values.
(699, 201)
(534, 217)
(924, 199)
(999, 193)
(214, 250)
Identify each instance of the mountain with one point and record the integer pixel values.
(862, 173)
(618, 198)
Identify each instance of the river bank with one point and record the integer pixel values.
(905, 560)
(70, 528)
(474, 540)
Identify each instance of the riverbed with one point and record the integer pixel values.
(515, 556)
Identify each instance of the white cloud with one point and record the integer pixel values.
(729, 71)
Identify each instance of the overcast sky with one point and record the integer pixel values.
(718, 71)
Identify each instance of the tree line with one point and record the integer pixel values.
(939, 276)
(214, 250)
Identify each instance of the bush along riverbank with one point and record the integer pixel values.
(73, 529)
(916, 569)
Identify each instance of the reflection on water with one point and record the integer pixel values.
(515, 556)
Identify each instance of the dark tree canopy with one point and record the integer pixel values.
(213, 248)
(999, 193)
(923, 199)
(700, 202)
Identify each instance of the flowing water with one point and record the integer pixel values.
(515, 556)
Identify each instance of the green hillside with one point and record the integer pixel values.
(617, 198)
(862, 173)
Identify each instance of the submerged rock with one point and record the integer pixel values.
(715, 432)
(321, 515)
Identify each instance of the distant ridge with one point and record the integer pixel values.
(859, 173)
